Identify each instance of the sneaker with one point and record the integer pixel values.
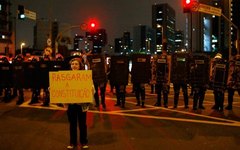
(85, 146)
(70, 147)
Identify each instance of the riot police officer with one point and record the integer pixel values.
(18, 78)
(199, 79)
(141, 74)
(99, 69)
(35, 88)
(6, 80)
(179, 76)
(162, 78)
(218, 78)
(233, 83)
(46, 58)
(119, 71)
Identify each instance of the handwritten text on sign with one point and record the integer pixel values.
(71, 86)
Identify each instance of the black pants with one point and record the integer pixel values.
(198, 97)
(219, 99)
(231, 92)
(139, 92)
(162, 89)
(102, 88)
(121, 94)
(176, 87)
(77, 117)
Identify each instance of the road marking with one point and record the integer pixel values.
(226, 122)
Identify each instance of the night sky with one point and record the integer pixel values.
(116, 16)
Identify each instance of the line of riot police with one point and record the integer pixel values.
(31, 74)
(181, 69)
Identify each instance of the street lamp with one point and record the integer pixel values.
(22, 44)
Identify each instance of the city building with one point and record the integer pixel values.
(82, 43)
(144, 39)
(118, 45)
(123, 45)
(164, 22)
(42, 31)
(235, 13)
(179, 40)
(7, 34)
(99, 39)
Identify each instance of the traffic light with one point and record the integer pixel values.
(187, 4)
(21, 14)
(92, 25)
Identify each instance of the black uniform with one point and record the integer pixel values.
(18, 78)
(162, 86)
(199, 78)
(219, 69)
(233, 83)
(179, 76)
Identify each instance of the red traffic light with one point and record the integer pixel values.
(188, 1)
(187, 5)
(93, 25)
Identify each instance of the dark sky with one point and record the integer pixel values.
(116, 16)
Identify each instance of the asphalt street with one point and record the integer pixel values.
(34, 127)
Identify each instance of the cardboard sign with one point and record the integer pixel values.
(71, 86)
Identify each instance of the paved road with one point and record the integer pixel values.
(28, 127)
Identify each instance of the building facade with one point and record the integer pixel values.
(144, 39)
(98, 38)
(164, 22)
(7, 34)
(179, 40)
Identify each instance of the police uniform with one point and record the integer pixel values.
(233, 83)
(19, 88)
(218, 88)
(6, 85)
(162, 85)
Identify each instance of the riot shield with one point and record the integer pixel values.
(119, 70)
(219, 74)
(18, 74)
(97, 65)
(44, 68)
(6, 75)
(199, 70)
(31, 75)
(180, 68)
(163, 69)
(141, 68)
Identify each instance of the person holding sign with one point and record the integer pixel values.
(77, 115)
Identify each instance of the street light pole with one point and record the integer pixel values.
(58, 37)
(21, 46)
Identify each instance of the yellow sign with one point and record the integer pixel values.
(71, 86)
(209, 9)
(30, 14)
